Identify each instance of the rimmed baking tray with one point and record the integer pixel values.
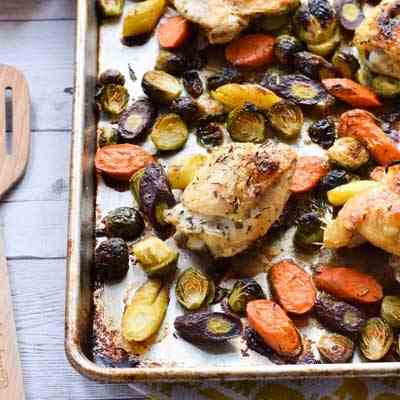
(80, 297)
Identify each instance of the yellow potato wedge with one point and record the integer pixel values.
(233, 95)
(145, 313)
(339, 195)
(182, 172)
(143, 17)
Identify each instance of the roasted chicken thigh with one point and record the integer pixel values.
(235, 197)
(372, 215)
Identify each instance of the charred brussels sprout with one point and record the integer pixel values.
(287, 118)
(285, 48)
(112, 76)
(313, 66)
(309, 232)
(145, 313)
(348, 153)
(335, 348)
(334, 178)
(194, 289)
(169, 133)
(323, 132)
(113, 99)
(155, 256)
(136, 120)
(227, 75)
(206, 327)
(326, 48)
(172, 63)
(155, 196)
(350, 13)
(246, 124)
(300, 89)
(316, 21)
(272, 23)
(376, 339)
(386, 86)
(182, 172)
(161, 87)
(192, 83)
(339, 316)
(111, 8)
(107, 135)
(390, 310)
(346, 63)
(186, 108)
(112, 259)
(243, 291)
(210, 135)
(124, 222)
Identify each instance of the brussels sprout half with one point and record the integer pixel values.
(242, 292)
(309, 232)
(300, 89)
(112, 259)
(107, 135)
(285, 48)
(287, 118)
(169, 133)
(323, 132)
(335, 348)
(194, 289)
(112, 76)
(348, 153)
(124, 222)
(210, 135)
(350, 13)
(136, 120)
(390, 310)
(346, 63)
(206, 327)
(246, 124)
(156, 257)
(113, 99)
(172, 63)
(161, 87)
(385, 86)
(376, 339)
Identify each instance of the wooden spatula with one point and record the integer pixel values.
(13, 160)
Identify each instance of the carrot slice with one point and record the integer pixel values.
(293, 287)
(309, 170)
(274, 326)
(251, 51)
(173, 32)
(349, 284)
(351, 92)
(363, 126)
(121, 161)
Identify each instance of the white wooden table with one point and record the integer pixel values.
(37, 36)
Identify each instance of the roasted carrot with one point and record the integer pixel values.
(349, 284)
(274, 326)
(121, 161)
(309, 170)
(363, 126)
(173, 32)
(292, 286)
(351, 92)
(251, 51)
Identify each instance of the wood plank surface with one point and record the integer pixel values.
(38, 298)
(37, 9)
(44, 52)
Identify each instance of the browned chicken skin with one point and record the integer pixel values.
(225, 19)
(235, 197)
(373, 215)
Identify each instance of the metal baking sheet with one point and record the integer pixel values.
(93, 312)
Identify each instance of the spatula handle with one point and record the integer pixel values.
(11, 381)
